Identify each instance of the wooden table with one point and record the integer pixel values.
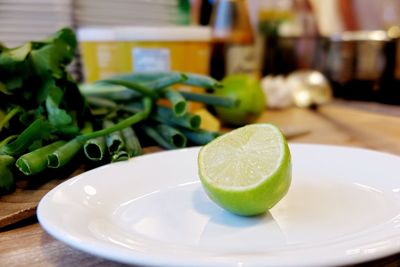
(372, 126)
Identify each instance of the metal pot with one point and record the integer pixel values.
(361, 65)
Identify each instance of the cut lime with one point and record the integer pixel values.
(248, 170)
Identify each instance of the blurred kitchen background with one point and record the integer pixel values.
(348, 48)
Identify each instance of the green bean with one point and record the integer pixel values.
(177, 101)
(6, 175)
(174, 137)
(200, 137)
(153, 134)
(65, 153)
(95, 148)
(132, 144)
(166, 115)
(210, 99)
(36, 161)
(114, 140)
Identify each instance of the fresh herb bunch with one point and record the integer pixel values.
(46, 119)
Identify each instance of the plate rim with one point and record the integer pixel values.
(152, 260)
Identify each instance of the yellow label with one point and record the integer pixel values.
(104, 59)
(100, 60)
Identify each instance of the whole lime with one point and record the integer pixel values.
(251, 100)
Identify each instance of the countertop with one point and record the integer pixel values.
(356, 124)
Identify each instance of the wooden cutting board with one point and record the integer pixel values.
(22, 203)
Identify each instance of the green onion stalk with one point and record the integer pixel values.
(65, 153)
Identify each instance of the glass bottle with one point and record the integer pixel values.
(290, 36)
(233, 48)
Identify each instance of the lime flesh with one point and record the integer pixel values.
(248, 170)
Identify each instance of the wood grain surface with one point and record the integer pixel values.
(22, 203)
(352, 124)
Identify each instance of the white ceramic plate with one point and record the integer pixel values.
(343, 207)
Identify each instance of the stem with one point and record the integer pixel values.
(63, 154)
(191, 78)
(7, 140)
(174, 137)
(166, 115)
(36, 130)
(147, 106)
(119, 156)
(114, 140)
(153, 134)
(95, 148)
(9, 116)
(36, 161)
(144, 76)
(202, 81)
(87, 127)
(109, 91)
(209, 99)
(169, 80)
(140, 88)
(177, 100)
(101, 102)
(132, 144)
(6, 176)
(200, 137)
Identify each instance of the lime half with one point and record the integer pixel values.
(248, 170)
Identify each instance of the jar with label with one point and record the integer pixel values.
(233, 48)
(290, 35)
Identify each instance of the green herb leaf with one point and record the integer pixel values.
(57, 116)
(11, 57)
(51, 58)
(14, 68)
